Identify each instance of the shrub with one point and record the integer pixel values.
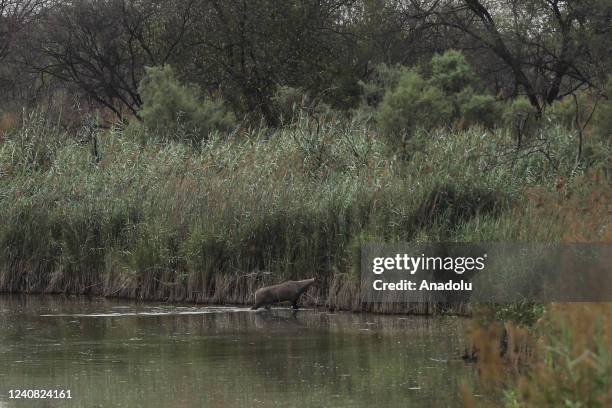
(602, 123)
(288, 100)
(566, 113)
(451, 72)
(449, 95)
(520, 116)
(563, 111)
(413, 104)
(176, 111)
(384, 78)
(478, 109)
(290, 103)
(518, 109)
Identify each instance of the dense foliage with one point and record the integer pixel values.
(244, 51)
(179, 112)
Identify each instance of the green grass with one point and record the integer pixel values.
(206, 223)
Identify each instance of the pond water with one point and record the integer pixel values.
(117, 353)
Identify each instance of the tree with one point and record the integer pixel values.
(249, 48)
(103, 46)
(16, 15)
(547, 45)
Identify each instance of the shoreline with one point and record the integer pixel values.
(395, 309)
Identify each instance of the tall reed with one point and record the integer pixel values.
(211, 222)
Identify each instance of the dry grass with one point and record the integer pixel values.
(564, 358)
(572, 361)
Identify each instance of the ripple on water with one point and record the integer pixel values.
(117, 353)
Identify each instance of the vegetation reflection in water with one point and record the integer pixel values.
(115, 353)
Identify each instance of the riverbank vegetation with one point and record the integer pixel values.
(193, 151)
(126, 213)
(191, 204)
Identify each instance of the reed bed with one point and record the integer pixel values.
(120, 213)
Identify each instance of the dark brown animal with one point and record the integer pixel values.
(287, 291)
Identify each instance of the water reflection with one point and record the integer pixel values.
(118, 353)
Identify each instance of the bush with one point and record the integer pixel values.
(602, 122)
(565, 112)
(384, 78)
(478, 109)
(520, 116)
(450, 95)
(288, 101)
(413, 104)
(518, 109)
(451, 72)
(176, 111)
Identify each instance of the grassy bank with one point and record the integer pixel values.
(131, 217)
